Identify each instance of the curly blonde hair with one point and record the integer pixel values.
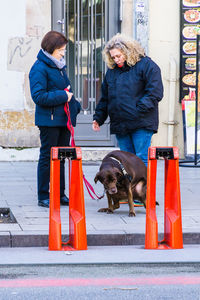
(132, 50)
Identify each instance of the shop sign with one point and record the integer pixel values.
(190, 72)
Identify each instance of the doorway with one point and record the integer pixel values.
(87, 24)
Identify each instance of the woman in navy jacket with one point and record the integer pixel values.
(48, 81)
(131, 90)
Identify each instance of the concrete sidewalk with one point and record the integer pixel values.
(99, 255)
(18, 192)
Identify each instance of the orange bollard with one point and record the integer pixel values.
(77, 224)
(173, 237)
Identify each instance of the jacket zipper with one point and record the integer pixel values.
(52, 111)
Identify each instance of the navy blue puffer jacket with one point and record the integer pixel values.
(130, 97)
(47, 84)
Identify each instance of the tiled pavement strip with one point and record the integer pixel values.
(18, 192)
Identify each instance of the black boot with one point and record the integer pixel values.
(44, 203)
(64, 200)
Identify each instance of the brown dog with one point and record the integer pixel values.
(123, 175)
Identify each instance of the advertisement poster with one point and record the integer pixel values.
(189, 111)
(190, 72)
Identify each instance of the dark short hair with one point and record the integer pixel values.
(53, 40)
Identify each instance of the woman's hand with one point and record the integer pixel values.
(69, 95)
(95, 126)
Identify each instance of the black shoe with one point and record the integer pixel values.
(44, 203)
(64, 200)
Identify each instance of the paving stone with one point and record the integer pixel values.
(36, 228)
(5, 240)
(9, 227)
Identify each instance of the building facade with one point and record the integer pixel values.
(87, 24)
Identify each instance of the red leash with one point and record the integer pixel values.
(71, 129)
(90, 188)
(69, 124)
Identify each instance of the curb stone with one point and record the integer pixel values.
(32, 239)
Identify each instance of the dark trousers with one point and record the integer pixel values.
(50, 137)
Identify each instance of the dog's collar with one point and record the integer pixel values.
(123, 169)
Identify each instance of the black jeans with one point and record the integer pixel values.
(50, 137)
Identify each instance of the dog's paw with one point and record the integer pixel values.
(132, 214)
(116, 206)
(107, 210)
(102, 210)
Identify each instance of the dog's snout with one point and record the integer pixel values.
(112, 190)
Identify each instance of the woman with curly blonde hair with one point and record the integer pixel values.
(130, 93)
(131, 48)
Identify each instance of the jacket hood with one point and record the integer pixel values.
(42, 57)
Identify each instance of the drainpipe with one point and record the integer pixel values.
(172, 96)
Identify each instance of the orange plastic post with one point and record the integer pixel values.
(151, 236)
(77, 223)
(173, 237)
(54, 208)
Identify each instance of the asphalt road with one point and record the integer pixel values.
(150, 281)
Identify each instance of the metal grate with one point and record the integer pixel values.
(6, 216)
(86, 29)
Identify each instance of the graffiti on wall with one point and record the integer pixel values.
(141, 17)
(22, 50)
(36, 31)
(19, 48)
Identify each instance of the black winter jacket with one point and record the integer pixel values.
(130, 97)
(47, 84)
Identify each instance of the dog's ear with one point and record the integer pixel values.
(118, 174)
(97, 177)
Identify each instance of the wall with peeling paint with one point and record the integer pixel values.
(24, 23)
